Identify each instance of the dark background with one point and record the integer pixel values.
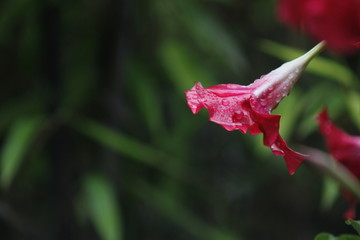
(97, 141)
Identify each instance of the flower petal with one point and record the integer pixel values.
(336, 22)
(229, 105)
(350, 213)
(346, 150)
(225, 105)
(192, 97)
(271, 88)
(292, 159)
(342, 146)
(248, 108)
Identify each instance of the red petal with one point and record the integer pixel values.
(229, 105)
(336, 22)
(224, 103)
(342, 146)
(292, 159)
(346, 150)
(350, 213)
(269, 125)
(192, 97)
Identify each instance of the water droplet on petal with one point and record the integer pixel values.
(271, 88)
(237, 116)
(276, 150)
(263, 103)
(225, 102)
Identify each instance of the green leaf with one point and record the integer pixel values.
(330, 192)
(204, 31)
(325, 236)
(353, 106)
(291, 104)
(17, 143)
(355, 224)
(147, 98)
(27, 104)
(314, 102)
(103, 207)
(211, 35)
(328, 236)
(348, 237)
(171, 208)
(183, 66)
(123, 144)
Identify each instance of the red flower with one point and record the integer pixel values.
(248, 108)
(345, 149)
(335, 21)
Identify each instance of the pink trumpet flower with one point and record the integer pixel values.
(248, 108)
(345, 149)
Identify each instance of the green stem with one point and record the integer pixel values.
(314, 51)
(334, 169)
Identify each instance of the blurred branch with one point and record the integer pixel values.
(325, 163)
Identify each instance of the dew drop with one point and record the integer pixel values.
(225, 102)
(263, 103)
(237, 116)
(271, 88)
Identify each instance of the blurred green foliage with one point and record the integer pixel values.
(97, 141)
(328, 236)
